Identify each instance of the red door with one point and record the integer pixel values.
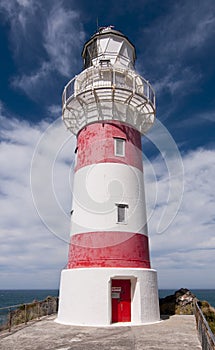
(121, 300)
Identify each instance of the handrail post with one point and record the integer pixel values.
(25, 313)
(10, 320)
(38, 310)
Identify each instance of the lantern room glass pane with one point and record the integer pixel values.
(91, 53)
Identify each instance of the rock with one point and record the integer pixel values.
(30, 311)
(180, 303)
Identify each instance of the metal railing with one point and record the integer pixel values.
(206, 336)
(100, 77)
(14, 315)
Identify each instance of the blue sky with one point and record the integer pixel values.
(40, 51)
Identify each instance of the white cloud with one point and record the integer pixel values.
(19, 14)
(30, 83)
(25, 3)
(173, 40)
(45, 40)
(55, 110)
(28, 246)
(182, 84)
(184, 27)
(63, 37)
(204, 118)
(188, 244)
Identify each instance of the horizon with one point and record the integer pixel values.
(158, 289)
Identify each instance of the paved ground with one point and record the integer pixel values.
(177, 332)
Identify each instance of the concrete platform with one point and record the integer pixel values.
(176, 332)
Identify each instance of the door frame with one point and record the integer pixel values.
(133, 281)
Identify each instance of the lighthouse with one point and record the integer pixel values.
(108, 106)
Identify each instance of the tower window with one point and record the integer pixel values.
(119, 147)
(121, 213)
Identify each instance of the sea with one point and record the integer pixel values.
(15, 297)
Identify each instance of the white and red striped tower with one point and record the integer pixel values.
(108, 106)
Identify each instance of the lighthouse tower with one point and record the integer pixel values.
(108, 106)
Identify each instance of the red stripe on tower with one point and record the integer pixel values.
(109, 249)
(96, 143)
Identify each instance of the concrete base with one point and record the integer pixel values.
(85, 296)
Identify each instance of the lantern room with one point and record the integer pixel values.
(108, 46)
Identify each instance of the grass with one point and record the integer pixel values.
(209, 313)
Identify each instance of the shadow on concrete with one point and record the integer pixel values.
(164, 317)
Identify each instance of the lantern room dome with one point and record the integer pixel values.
(108, 46)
